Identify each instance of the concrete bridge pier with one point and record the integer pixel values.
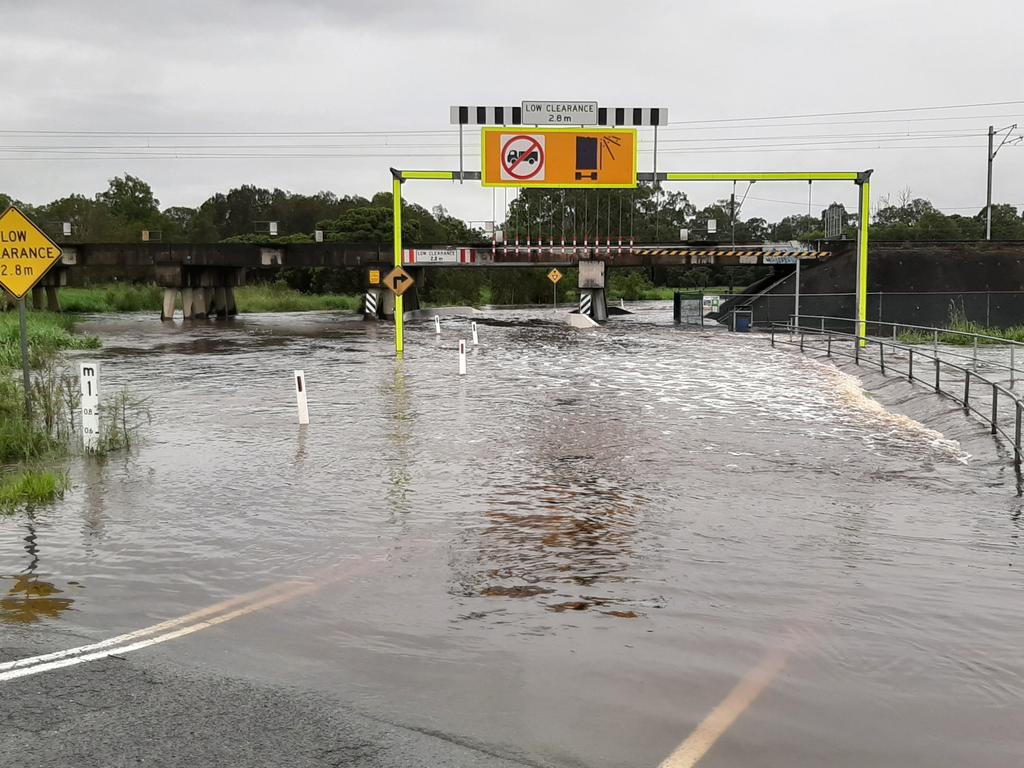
(205, 291)
(592, 292)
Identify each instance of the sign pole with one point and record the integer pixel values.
(26, 377)
(554, 295)
(396, 195)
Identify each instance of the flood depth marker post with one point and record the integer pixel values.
(89, 374)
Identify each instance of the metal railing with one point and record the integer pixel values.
(1003, 414)
(1012, 351)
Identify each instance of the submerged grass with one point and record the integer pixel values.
(30, 487)
(48, 334)
(250, 298)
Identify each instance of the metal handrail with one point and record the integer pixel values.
(1011, 367)
(859, 353)
(911, 326)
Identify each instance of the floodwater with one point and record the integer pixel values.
(570, 555)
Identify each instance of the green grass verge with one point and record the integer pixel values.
(250, 298)
(48, 334)
(30, 487)
(276, 298)
(999, 335)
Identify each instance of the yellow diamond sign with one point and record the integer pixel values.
(26, 253)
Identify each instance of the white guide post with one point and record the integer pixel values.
(462, 357)
(300, 396)
(476, 338)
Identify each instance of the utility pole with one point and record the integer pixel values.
(992, 133)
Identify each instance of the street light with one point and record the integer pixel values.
(992, 133)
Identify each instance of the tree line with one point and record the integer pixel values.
(128, 207)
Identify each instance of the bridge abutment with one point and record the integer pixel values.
(592, 291)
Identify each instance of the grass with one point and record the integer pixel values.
(277, 298)
(250, 298)
(121, 297)
(30, 487)
(958, 322)
(48, 334)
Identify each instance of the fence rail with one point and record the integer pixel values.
(1003, 414)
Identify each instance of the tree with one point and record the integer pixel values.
(130, 200)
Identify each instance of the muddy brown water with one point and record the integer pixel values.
(572, 554)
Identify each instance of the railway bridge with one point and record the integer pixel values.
(205, 275)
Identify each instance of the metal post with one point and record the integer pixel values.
(396, 195)
(967, 390)
(910, 367)
(26, 376)
(1016, 438)
(935, 343)
(856, 350)
(796, 295)
(1012, 370)
(829, 348)
(988, 195)
(773, 334)
(995, 407)
(975, 353)
(864, 213)
(881, 356)
(823, 325)
(460, 155)
(937, 387)
(801, 342)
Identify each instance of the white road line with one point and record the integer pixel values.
(187, 630)
(195, 621)
(129, 636)
(725, 714)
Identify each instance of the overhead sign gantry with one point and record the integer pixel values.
(501, 168)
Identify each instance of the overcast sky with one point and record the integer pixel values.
(390, 66)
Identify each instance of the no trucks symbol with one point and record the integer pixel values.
(522, 157)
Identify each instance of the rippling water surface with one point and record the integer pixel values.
(572, 554)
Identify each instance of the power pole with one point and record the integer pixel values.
(988, 197)
(992, 133)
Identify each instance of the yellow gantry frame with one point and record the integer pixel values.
(861, 178)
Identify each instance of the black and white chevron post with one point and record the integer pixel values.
(586, 303)
(370, 304)
(606, 116)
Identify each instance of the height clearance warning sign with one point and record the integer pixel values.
(26, 253)
(559, 157)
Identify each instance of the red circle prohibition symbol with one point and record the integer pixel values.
(534, 147)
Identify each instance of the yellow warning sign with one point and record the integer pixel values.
(554, 276)
(26, 253)
(398, 281)
(559, 157)
(374, 277)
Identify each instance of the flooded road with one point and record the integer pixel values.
(568, 557)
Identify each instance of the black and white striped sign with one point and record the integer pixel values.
(586, 300)
(607, 116)
(370, 306)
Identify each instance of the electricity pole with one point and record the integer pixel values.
(992, 133)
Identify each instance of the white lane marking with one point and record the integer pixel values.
(725, 714)
(129, 636)
(187, 630)
(105, 648)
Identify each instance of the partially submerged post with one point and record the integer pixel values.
(300, 396)
(462, 357)
(89, 377)
(476, 338)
